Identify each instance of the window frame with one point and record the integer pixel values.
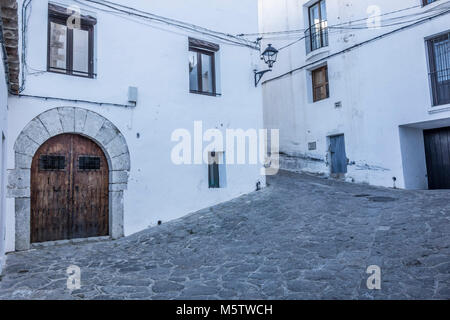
(432, 69)
(323, 31)
(59, 157)
(201, 47)
(426, 3)
(89, 157)
(326, 84)
(88, 25)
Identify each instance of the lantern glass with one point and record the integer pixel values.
(270, 55)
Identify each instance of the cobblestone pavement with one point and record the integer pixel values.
(303, 237)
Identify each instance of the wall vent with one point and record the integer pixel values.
(312, 146)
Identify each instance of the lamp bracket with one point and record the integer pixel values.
(259, 75)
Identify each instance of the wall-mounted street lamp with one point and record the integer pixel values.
(270, 57)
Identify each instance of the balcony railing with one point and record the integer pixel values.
(426, 2)
(440, 84)
(316, 36)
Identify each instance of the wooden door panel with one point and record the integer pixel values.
(437, 151)
(49, 191)
(68, 203)
(338, 155)
(90, 218)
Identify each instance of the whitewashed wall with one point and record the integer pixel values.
(3, 133)
(155, 59)
(383, 87)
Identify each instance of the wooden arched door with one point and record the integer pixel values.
(69, 190)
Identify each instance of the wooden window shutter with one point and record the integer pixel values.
(320, 84)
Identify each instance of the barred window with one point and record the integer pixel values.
(88, 163)
(316, 35)
(439, 55)
(50, 162)
(425, 2)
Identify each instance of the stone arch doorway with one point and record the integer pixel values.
(69, 190)
(55, 122)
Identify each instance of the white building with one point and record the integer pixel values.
(357, 87)
(8, 81)
(3, 134)
(99, 102)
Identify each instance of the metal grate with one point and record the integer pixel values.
(312, 146)
(425, 2)
(439, 55)
(316, 36)
(88, 163)
(47, 162)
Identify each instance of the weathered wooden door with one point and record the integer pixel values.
(69, 190)
(437, 151)
(338, 155)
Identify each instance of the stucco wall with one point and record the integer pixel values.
(153, 58)
(381, 86)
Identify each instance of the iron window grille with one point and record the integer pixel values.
(439, 61)
(316, 36)
(88, 163)
(52, 163)
(61, 46)
(426, 2)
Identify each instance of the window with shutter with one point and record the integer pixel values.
(320, 84)
(439, 55)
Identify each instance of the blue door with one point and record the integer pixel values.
(338, 155)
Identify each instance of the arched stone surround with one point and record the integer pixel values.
(52, 123)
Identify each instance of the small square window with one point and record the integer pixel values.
(52, 163)
(87, 163)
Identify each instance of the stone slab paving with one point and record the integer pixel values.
(303, 237)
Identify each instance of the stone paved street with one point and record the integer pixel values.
(303, 237)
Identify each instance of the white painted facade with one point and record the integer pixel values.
(154, 58)
(3, 135)
(383, 88)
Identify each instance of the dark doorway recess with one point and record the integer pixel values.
(437, 152)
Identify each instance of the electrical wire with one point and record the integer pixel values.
(176, 22)
(357, 46)
(336, 25)
(125, 11)
(172, 22)
(339, 29)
